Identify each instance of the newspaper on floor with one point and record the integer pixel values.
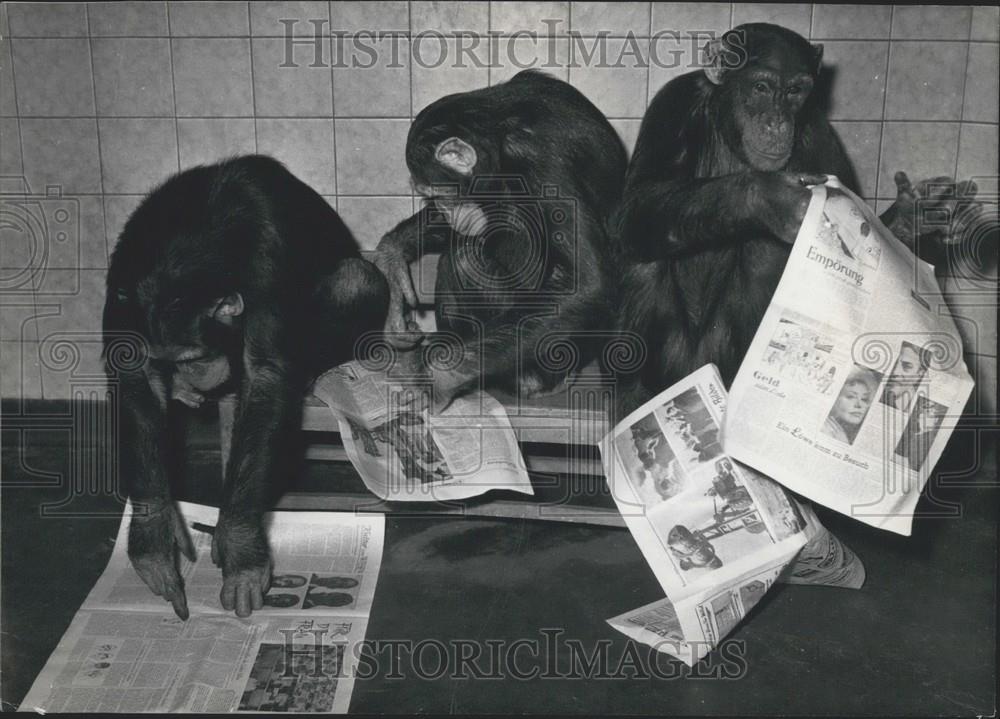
(126, 650)
(716, 534)
(405, 453)
(853, 373)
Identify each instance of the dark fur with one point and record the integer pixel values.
(531, 133)
(703, 266)
(244, 226)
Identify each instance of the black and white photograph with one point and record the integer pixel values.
(331, 591)
(302, 687)
(920, 431)
(713, 527)
(690, 427)
(802, 354)
(305, 298)
(906, 376)
(651, 467)
(851, 405)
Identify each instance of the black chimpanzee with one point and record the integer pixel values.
(234, 276)
(714, 197)
(520, 179)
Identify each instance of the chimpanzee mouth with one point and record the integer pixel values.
(774, 160)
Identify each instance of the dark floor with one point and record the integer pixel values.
(918, 639)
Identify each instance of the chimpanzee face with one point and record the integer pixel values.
(457, 158)
(760, 100)
(203, 372)
(192, 347)
(766, 102)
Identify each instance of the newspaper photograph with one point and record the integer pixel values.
(403, 452)
(127, 651)
(715, 533)
(856, 370)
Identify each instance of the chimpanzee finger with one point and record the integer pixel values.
(243, 600)
(179, 602)
(228, 595)
(812, 179)
(936, 188)
(903, 186)
(173, 591)
(183, 537)
(404, 281)
(216, 551)
(256, 597)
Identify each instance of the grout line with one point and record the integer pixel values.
(812, 20)
(173, 87)
(649, 59)
(885, 99)
(333, 116)
(253, 81)
(961, 112)
(452, 34)
(33, 321)
(376, 118)
(97, 129)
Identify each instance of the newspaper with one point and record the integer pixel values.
(853, 373)
(715, 533)
(126, 650)
(405, 453)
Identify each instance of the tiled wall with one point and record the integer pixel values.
(103, 100)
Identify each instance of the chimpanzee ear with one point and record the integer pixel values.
(817, 57)
(228, 308)
(457, 155)
(714, 52)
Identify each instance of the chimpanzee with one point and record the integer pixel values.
(520, 179)
(715, 194)
(236, 276)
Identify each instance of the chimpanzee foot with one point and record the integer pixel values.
(242, 552)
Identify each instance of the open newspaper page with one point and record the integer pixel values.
(126, 650)
(405, 453)
(853, 373)
(715, 533)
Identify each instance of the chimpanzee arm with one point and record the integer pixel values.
(155, 526)
(669, 210)
(406, 243)
(269, 396)
(663, 219)
(424, 232)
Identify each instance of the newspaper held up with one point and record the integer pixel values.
(716, 534)
(126, 650)
(856, 370)
(405, 453)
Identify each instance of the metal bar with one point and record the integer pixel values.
(496, 509)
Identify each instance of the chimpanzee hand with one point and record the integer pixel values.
(392, 263)
(151, 540)
(240, 548)
(780, 201)
(936, 213)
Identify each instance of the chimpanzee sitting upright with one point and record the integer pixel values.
(520, 180)
(235, 275)
(714, 197)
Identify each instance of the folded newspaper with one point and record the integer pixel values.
(126, 650)
(853, 373)
(405, 453)
(716, 534)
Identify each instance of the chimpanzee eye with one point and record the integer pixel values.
(760, 87)
(794, 90)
